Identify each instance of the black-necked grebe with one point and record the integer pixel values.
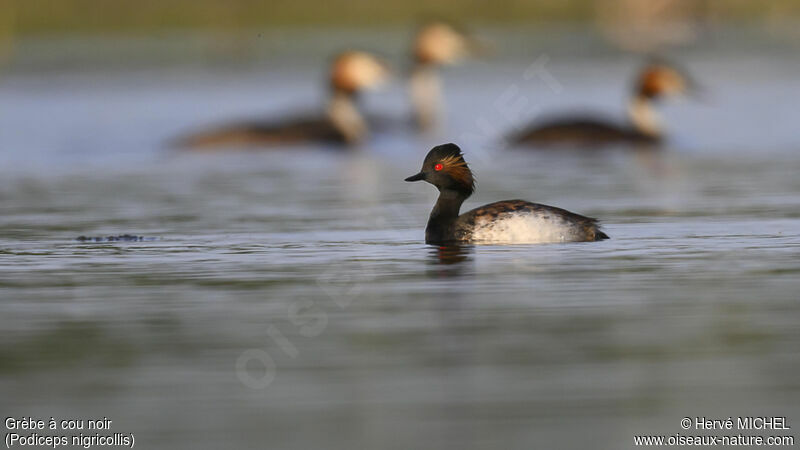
(656, 80)
(342, 123)
(504, 222)
(436, 44)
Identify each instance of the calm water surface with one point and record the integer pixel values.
(314, 261)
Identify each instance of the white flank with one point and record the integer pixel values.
(525, 228)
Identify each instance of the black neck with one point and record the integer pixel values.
(444, 214)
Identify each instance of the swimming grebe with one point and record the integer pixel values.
(435, 45)
(507, 222)
(351, 72)
(655, 81)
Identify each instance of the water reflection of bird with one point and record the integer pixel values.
(436, 44)
(453, 260)
(342, 123)
(451, 254)
(509, 221)
(656, 81)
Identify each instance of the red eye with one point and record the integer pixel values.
(438, 167)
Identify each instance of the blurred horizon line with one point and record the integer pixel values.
(36, 17)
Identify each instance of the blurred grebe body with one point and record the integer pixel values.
(342, 123)
(504, 222)
(656, 81)
(436, 44)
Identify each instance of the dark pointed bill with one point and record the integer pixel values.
(417, 177)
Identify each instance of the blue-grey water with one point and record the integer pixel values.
(286, 299)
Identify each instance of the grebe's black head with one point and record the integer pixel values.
(445, 168)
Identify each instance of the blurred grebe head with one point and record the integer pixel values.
(439, 43)
(657, 80)
(445, 168)
(660, 79)
(353, 71)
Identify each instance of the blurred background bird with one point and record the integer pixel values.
(435, 45)
(351, 72)
(656, 81)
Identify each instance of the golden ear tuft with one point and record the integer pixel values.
(457, 168)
